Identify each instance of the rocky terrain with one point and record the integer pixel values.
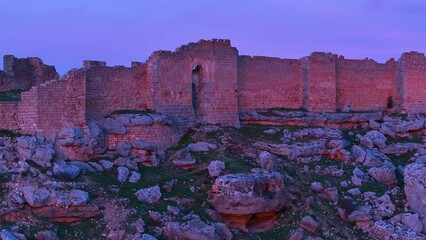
(363, 177)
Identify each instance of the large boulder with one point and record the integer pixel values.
(149, 195)
(43, 155)
(36, 197)
(6, 235)
(195, 229)
(26, 145)
(215, 168)
(66, 170)
(59, 206)
(368, 157)
(267, 161)
(47, 235)
(123, 148)
(112, 126)
(327, 133)
(70, 136)
(201, 147)
(296, 150)
(384, 174)
(373, 139)
(238, 197)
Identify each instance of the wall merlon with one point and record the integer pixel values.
(8, 62)
(413, 57)
(136, 64)
(92, 63)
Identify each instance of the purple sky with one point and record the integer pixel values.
(64, 33)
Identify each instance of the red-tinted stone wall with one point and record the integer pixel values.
(170, 81)
(23, 73)
(47, 108)
(28, 111)
(115, 88)
(365, 85)
(9, 116)
(412, 77)
(265, 82)
(160, 134)
(319, 77)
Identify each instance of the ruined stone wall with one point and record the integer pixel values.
(365, 85)
(412, 81)
(207, 82)
(115, 88)
(23, 73)
(50, 110)
(28, 111)
(170, 85)
(9, 116)
(265, 82)
(162, 135)
(7, 83)
(170, 79)
(319, 77)
(47, 108)
(74, 104)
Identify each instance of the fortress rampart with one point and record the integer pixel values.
(207, 82)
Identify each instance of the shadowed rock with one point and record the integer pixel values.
(246, 200)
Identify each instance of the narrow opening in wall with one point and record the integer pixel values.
(195, 86)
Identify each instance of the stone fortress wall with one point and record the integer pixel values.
(206, 82)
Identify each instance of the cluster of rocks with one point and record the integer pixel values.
(175, 224)
(183, 158)
(250, 202)
(315, 142)
(79, 142)
(376, 214)
(117, 123)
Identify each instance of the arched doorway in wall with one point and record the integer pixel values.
(196, 85)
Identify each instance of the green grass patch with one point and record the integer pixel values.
(403, 159)
(373, 186)
(8, 133)
(11, 96)
(256, 131)
(270, 112)
(87, 229)
(132, 111)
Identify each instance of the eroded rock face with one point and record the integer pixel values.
(59, 206)
(240, 197)
(415, 187)
(195, 229)
(388, 229)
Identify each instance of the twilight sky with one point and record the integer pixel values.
(64, 33)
